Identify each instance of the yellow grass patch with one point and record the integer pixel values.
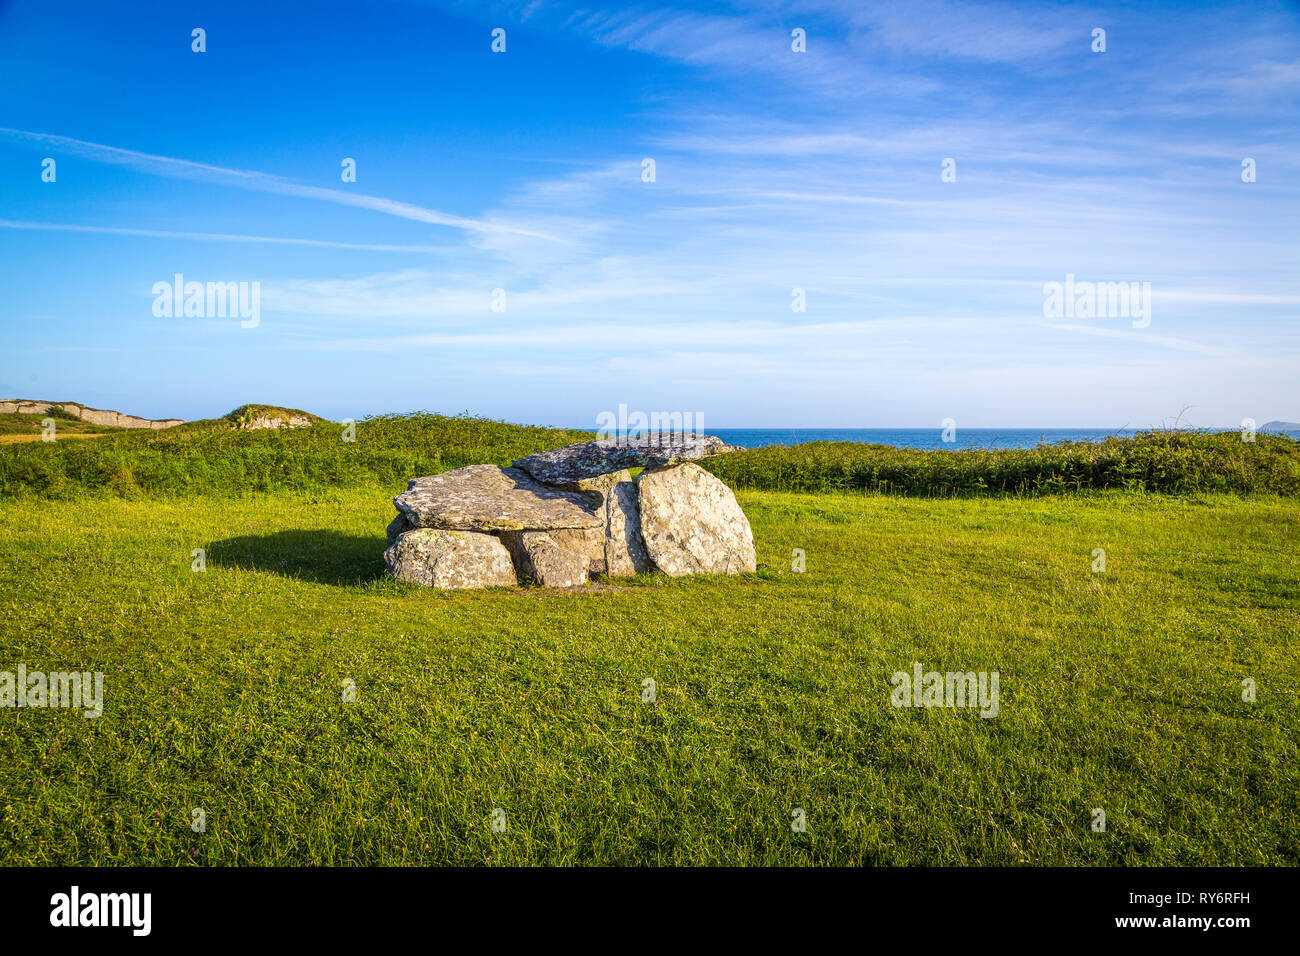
(10, 439)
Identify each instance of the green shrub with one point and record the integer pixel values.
(1176, 462)
(58, 411)
(215, 458)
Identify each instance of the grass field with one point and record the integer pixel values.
(1120, 690)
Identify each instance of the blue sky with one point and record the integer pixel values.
(774, 170)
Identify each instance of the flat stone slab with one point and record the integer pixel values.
(450, 560)
(490, 498)
(587, 459)
(692, 524)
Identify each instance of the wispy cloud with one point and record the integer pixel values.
(1139, 338)
(1017, 34)
(261, 182)
(213, 236)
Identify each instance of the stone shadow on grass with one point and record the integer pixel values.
(325, 557)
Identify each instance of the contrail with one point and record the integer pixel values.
(212, 236)
(261, 182)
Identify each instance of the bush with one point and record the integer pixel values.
(58, 411)
(215, 458)
(1177, 462)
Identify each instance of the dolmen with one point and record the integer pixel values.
(559, 517)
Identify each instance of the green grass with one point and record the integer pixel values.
(214, 457)
(1119, 690)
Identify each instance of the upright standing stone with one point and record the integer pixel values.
(692, 523)
(625, 548)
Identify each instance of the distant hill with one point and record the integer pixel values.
(1280, 427)
(256, 417)
(83, 413)
(22, 414)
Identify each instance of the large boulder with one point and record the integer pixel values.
(437, 558)
(692, 524)
(588, 459)
(489, 498)
(539, 557)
